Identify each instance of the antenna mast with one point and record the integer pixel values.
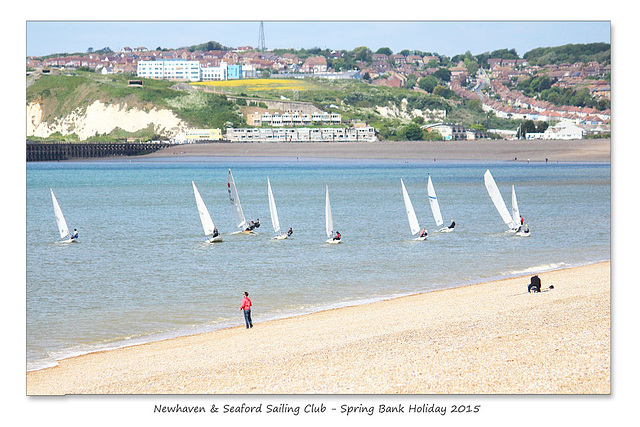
(261, 46)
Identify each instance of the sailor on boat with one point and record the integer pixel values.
(215, 232)
(75, 234)
(423, 233)
(290, 232)
(453, 224)
(337, 236)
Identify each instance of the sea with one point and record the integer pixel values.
(141, 270)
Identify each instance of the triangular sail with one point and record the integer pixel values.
(411, 214)
(205, 218)
(515, 212)
(272, 208)
(62, 224)
(328, 216)
(433, 201)
(498, 202)
(238, 215)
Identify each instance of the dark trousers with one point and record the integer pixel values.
(247, 318)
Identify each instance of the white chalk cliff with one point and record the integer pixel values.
(99, 118)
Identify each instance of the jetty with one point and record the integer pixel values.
(53, 151)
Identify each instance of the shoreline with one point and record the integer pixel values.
(164, 336)
(592, 150)
(126, 370)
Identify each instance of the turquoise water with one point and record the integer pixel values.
(141, 271)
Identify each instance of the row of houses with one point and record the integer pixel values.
(515, 105)
(354, 134)
(293, 118)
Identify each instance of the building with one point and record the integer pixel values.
(315, 65)
(188, 70)
(449, 132)
(170, 69)
(355, 134)
(197, 135)
(292, 118)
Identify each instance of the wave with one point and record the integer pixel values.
(537, 268)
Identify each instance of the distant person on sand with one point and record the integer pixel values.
(246, 307)
(75, 234)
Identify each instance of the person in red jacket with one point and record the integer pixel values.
(246, 307)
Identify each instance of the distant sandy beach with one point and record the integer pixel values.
(585, 150)
(489, 338)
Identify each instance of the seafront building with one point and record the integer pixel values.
(355, 134)
(293, 118)
(197, 135)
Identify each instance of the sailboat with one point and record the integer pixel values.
(205, 218)
(329, 220)
(62, 224)
(498, 202)
(515, 214)
(236, 208)
(435, 207)
(274, 214)
(411, 214)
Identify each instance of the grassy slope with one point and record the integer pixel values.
(59, 95)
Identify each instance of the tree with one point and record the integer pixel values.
(412, 132)
(362, 53)
(443, 74)
(384, 51)
(475, 105)
(411, 81)
(472, 66)
(428, 83)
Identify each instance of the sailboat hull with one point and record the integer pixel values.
(333, 242)
(216, 239)
(421, 238)
(281, 237)
(445, 230)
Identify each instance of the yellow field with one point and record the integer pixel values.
(259, 85)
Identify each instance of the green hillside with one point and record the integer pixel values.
(59, 95)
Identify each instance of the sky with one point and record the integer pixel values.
(444, 37)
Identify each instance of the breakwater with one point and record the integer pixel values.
(51, 151)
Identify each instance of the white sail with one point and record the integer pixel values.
(433, 201)
(498, 202)
(411, 214)
(515, 212)
(328, 216)
(238, 215)
(62, 224)
(205, 218)
(272, 208)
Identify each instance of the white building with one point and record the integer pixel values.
(170, 69)
(214, 73)
(359, 134)
(564, 130)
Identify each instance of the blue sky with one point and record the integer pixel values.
(447, 38)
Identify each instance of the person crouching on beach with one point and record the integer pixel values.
(246, 307)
